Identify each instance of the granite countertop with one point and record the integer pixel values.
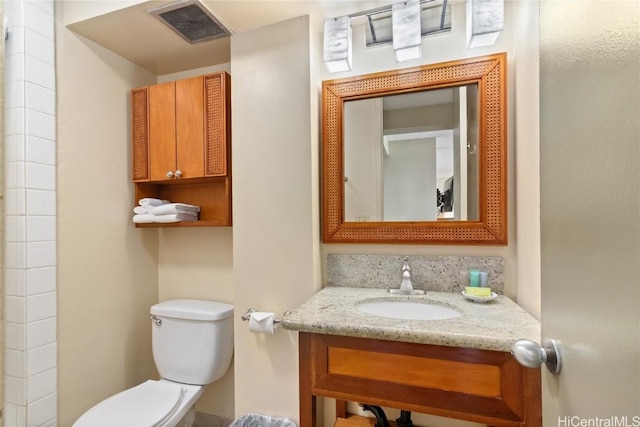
(493, 325)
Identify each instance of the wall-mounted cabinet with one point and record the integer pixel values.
(181, 136)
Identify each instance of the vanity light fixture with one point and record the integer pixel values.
(337, 44)
(485, 22)
(406, 30)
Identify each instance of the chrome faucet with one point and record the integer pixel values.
(406, 285)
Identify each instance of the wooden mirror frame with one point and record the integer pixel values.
(489, 72)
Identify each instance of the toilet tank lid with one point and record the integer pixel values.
(192, 309)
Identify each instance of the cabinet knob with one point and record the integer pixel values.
(169, 174)
(178, 173)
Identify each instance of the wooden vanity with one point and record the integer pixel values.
(459, 368)
(468, 384)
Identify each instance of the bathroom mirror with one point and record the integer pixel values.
(416, 155)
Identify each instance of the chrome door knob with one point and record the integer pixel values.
(169, 174)
(178, 173)
(532, 355)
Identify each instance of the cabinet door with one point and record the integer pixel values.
(190, 127)
(162, 130)
(140, 134)
(217, 124)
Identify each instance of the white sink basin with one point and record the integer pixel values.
(408, 310)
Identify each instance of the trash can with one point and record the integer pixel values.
(259, 420)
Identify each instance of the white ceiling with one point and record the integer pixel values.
(134, 34)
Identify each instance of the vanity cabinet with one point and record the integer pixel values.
(181, 135)
(482, 386)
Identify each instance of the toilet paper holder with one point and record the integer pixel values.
(247, 316)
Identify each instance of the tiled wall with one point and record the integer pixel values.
(30, 248)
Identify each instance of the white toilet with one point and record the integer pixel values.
(192, 347)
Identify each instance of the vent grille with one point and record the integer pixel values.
(192, 21)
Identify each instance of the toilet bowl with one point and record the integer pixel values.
(192, 347)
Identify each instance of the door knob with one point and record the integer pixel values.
(178, 173)
(532, 355)
(169, 174)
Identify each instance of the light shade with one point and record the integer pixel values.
(485, 22)
(337, 44)
(405, 19)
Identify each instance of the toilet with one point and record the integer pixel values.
(192, 347)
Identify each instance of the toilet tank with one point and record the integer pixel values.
(192, 340)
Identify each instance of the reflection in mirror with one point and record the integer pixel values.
(412, 156)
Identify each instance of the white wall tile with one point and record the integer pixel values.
(40, 202)
(15, 148)
(41, 254)
(43, 410)
(14, 94)
(40, 124)
(41, 306)
(40, 150)
(50, 423)
(14, 10)
(40, 98)
(15, 282)
(40, 228)
(40, 177)
(15, 67)
(15, 228)
(45, 5)
(15, 390)
(37, 19)
(39, 46)
(41, 332)
(16, 255)
(39, 72)
(15, 309)
(16, 202)
(40, 280)
(15, 336)
(16, 363)
(30, 272)
(15, 122)
(14, 175)
(41, 385)
(41, 359)
(15, 43)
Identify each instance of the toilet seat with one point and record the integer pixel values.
(150, 404)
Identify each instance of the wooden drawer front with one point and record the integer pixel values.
(140, 133)
(475, 385)
(217, 123)
(450, 375)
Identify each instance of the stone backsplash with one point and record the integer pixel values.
(431, 273)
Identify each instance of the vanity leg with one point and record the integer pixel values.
(307, 399)
(341, 408)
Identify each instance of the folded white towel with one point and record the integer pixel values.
(150, 201)
(172, 208)
(140, 210)
(143, 219)
(177, 217)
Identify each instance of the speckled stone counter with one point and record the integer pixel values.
(493, 325)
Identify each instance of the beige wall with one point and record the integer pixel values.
(107, 270)
(273, 237)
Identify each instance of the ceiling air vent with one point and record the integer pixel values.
(191, 20)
